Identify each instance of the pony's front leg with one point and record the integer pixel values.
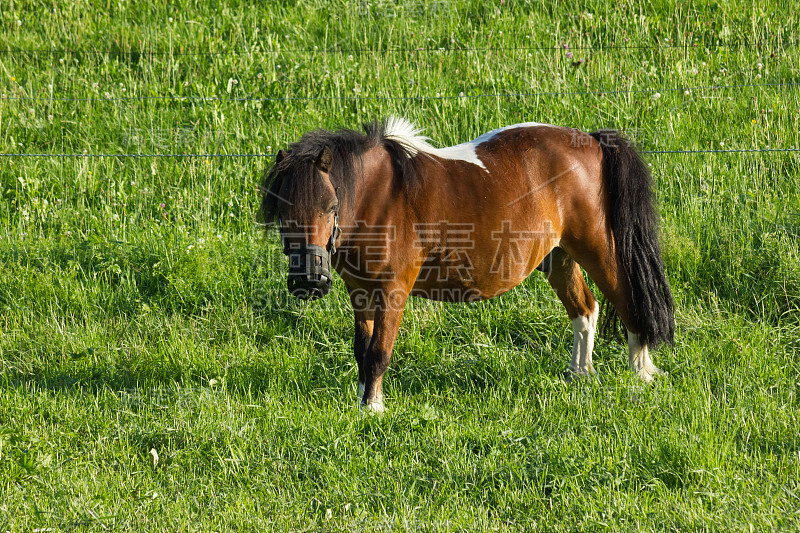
(364, 317)
(388, 312)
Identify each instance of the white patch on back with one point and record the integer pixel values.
(460, 152)
(408, 135)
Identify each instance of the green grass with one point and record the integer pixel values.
(130, 327)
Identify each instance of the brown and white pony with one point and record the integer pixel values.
(395, 216)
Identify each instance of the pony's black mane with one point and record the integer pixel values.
(296, 174)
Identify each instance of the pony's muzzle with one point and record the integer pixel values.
(309, 272)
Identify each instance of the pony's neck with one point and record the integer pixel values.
(376, 188)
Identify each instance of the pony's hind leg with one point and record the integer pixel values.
(616, 240)
(565, 277)
(639, 358)
(601, 265)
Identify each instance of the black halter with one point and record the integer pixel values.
(331, 246)
(310, 271)
(337, 231)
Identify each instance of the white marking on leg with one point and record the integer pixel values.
(639, 358)
(375, 406)
(360, 394)
(584, 328)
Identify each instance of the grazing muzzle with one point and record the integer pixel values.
(309, 272)
(310, 266)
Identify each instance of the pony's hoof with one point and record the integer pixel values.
(573, 376)
(373, 408)
(649, 373)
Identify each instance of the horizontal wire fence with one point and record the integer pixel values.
(144, 51)
(209, 156)
(598, 92)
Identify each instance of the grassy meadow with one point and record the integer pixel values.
(155, 376)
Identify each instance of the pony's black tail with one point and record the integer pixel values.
(634, 224)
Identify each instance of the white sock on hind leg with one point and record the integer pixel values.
(639, 358)
(584, 328)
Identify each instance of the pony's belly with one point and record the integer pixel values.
(445, 283)
(453, 291)
(466, 275)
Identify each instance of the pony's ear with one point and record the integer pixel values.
(324, 160)
(280, 157)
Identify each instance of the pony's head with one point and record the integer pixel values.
(302, 199)
(308, 184)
